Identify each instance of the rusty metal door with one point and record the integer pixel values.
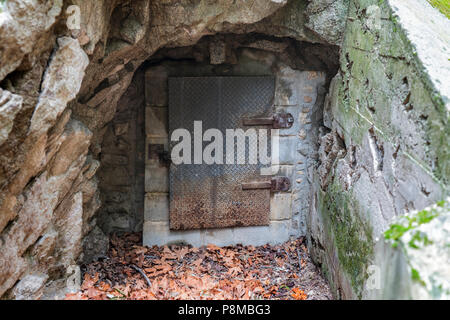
(211, 196)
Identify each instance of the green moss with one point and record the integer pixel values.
(442, 5)
(352, 236)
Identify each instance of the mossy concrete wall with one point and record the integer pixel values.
(387, 150)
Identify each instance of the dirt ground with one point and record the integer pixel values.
(131, 271)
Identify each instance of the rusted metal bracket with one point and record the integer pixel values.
(277, 121)
(277, 184)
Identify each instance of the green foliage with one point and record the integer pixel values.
(442, 5)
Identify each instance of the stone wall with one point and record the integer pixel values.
(387, 151)
(300, 93)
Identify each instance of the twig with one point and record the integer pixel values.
(142, 274)
(299, 261)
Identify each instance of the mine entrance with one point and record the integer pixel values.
(214, 195)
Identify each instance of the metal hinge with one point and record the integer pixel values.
(277, 121)
(275, 185)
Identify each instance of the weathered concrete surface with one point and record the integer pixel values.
(388, 151)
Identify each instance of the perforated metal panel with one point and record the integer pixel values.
(211, 196)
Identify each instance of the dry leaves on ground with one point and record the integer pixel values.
(132, 271)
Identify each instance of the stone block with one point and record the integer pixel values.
(158, 233)
(280, 206)
(156, 122)
(298, 226)
(304, 148)
(114, 159)
(156, 207)
(217, 52)
(121, 129)
(30, 287)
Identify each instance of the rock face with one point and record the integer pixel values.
(64, 69)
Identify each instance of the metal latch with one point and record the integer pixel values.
(277, 121)
(275, 185)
